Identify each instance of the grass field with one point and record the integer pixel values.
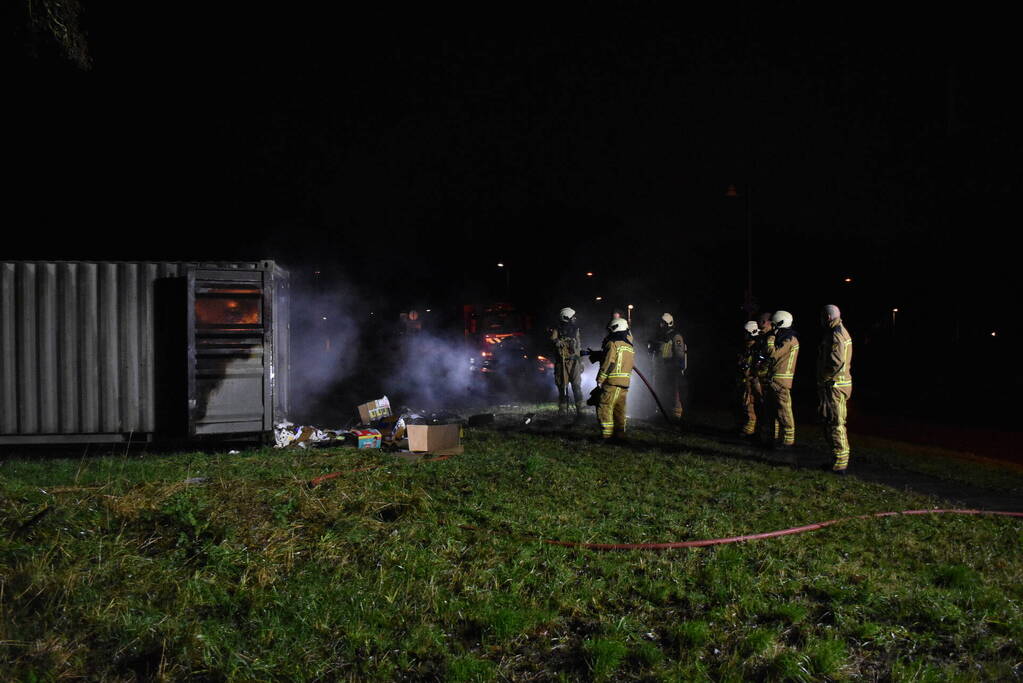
(113, 567)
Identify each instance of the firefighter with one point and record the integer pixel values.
(747, 377)
(616, 359)
(567, 361)
(782, 351)
(760, 355)
(834, 383)
(670, 357)
(619, 314)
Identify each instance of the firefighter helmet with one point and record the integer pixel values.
(668, 320)
(567, 314)
(617, 325)
(752, 328)
(830, 313)
(782, 319)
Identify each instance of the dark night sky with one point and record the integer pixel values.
(413, 158)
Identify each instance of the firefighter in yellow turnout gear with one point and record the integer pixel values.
(617, 355)
(567, 361)
(670, 360)
(782, 348)
(747, 378)
(834, 383)
(760, 355)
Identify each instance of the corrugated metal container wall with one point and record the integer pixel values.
(77, 346)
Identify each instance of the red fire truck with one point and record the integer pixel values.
(502, 348)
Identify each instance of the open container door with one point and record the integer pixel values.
(230, 348)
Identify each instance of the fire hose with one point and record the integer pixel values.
(748, 537)
(690, 544)
(654, 394)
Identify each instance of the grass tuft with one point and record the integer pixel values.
(604, 656)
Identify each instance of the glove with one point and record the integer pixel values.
(824, 411)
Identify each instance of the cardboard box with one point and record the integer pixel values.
(436, 439)
(367, 438)
(374, 410)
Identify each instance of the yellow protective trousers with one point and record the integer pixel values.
(837, 398)
(611, 411)
(748, 408)
(780, 418)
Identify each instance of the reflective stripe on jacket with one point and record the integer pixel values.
(834, 357)
(785, 350)
(616, 365)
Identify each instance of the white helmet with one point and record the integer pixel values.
(618, 325)
(668, 319)
(829, 313)
(752, 328)
(567, 314)
(782, 319)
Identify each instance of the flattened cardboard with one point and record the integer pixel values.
(438, 439)
(374, 410)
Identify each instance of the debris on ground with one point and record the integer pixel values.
(289, 434)
(380, 428)
(442, 439)
(366, 438)
(441, 417)
(374, 410)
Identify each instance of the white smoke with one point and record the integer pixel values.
(325, 343)
(433, 372)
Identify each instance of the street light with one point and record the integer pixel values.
(630, 314)
(894, 311)
(507, 277)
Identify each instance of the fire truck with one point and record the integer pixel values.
(503, 351)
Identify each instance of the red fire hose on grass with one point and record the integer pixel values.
(688, 544)
(749, 537)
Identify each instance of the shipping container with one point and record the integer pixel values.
(131, 351)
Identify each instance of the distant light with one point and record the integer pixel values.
(589, 274)
(631, 307)
(994, 334)
(895, 310)
(500, 265)
(324, 317)
(731, 191)
(600, 298)
(428, 310)
(848, 279)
